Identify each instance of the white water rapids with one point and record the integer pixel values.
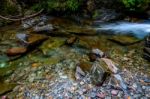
(139, 30)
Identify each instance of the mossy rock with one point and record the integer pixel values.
(51, 45)
(5, 88)
(124, 40)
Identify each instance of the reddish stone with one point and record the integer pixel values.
(16, 51)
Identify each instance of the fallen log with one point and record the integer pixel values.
(20, 19)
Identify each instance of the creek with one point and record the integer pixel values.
(121, 41)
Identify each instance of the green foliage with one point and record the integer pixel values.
(96, 14)
(59, 5)
(63, 5)
(135, 5)
(8, 8)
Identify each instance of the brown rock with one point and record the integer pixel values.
(85, 66)
(92, 57)
(34, 65)
(31, 39)
(71, 40)
(6, 88)
(16, 51)
(36, 38)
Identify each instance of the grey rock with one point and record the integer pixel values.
(48, 27)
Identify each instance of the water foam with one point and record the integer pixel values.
(140, 30)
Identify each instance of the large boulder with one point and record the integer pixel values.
(98, 71)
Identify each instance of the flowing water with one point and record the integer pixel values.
(139, 30)
(54, 54)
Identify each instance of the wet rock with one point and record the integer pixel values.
(34, 21)
(98, 52)
(92, 57)
(45, 28)
(4, 97)
(110, 65)
(103, 15)
(35, 65)
(36, 38)
(99, 73)
(79, 73)
(29, 23)
(85, 66)
(101, 95)
(31, 39)
(16, 51)
(124, 40)
(81, 31)
(50, 46)
(22, 37)
(71, 40)
(82, 44)
(114, 92)
(5, 88)
(147, 50)
(146, 56)
(41, 24)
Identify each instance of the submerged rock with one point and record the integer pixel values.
(5, 88)
(124, 40)
(71, 40)
(27, 41)
(16, 51)
(50, 46)
(81, 30)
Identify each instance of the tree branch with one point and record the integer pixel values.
(20, 19)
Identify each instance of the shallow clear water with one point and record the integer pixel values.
(53, 51)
